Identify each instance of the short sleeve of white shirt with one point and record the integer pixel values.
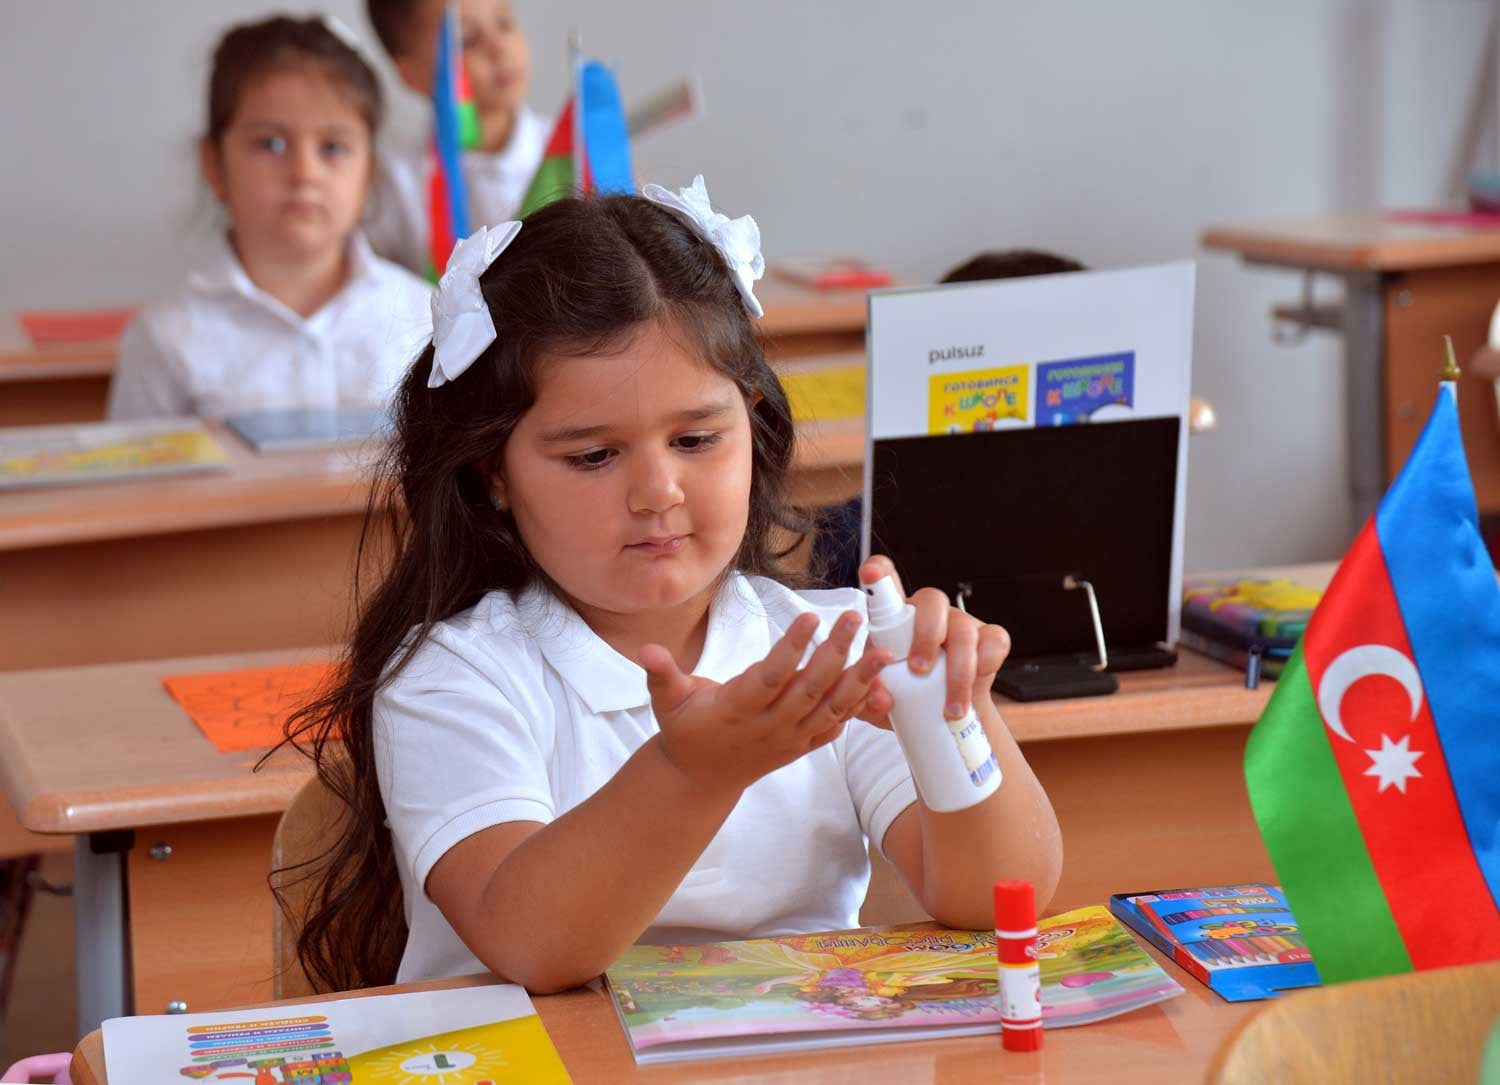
(146, 383)
(516, 711)
(455, 756)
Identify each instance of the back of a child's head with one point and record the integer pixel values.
(1010, 264)
(251, 51)
(393, 22)
(580, 279)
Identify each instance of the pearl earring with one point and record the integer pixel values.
(498, 502)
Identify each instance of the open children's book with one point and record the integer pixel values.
(106, 451)
(860, 987)
(462, 1036)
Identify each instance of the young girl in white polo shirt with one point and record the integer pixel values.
(291, 309)
(576, 713)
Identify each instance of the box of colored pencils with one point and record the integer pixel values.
(1240, 940)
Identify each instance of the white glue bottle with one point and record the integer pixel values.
(951, 760)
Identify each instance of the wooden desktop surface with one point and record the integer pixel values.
(69, 382)
(85, 749)
(272, 487)
(22, 360)
(259, 557)
(1362, 241)
(1170, 1042)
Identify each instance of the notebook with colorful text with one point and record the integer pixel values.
(859, 987)
(1240, 940)
(462, 1036)
(106, 452)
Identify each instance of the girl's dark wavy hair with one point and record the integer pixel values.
(579, 279)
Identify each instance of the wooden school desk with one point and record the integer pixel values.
(174, 837)
(62, 383)
(70, 382)
(1405, 286)
(259, 557)
(1173, 1041)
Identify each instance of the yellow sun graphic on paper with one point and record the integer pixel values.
(517, 1051)
(439, 1061)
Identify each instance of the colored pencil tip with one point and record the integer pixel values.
(1450, 371)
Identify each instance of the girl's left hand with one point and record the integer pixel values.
(975, 650)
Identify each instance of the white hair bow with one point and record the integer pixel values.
(738, 240)
(461, 323)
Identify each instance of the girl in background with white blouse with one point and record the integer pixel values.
(291, 309)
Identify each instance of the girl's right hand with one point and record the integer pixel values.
(728, 736)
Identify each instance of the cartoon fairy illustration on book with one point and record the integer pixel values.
(872, 988)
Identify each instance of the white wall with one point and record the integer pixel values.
(913, 133)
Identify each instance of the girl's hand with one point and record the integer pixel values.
(728, 736)
(975, 650)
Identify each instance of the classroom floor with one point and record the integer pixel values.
(41, 1016)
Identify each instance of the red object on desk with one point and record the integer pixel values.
(834, 274)
(55, 327)
(1020, 977)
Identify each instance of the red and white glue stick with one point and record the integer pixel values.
(1020, 978)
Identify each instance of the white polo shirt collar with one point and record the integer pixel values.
(738, 636)
(221, 273)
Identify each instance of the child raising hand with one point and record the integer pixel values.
(584, 709)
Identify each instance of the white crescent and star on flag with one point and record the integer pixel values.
(1395, 762)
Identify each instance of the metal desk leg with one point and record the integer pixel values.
(1364, 393)
(100, 935)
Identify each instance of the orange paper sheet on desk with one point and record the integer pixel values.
(53, 327)
(247, 710)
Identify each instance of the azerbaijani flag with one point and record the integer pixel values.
(593, 120)
(1374, 771)
(455, 126)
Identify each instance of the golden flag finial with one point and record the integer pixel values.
(1450, 363)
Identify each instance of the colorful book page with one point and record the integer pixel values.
(1075, 389)
(826, 394)
(977, 400)
(56, 327)
(464, 1036)
(247, 709)
(841, 988)
(106, 452)
(1092, 968)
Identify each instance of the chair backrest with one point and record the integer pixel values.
(306, 829)
(1412, 1028)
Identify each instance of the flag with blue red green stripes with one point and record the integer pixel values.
(1374, 771)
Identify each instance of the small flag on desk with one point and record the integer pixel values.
(455, 126)
(1374, 772)
(589, 149)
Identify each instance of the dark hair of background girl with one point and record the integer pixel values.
(253, 50)
(581, 276)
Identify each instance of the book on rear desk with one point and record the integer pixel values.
(1242, 941)
(1272, 660)
(1247, 612)
(298, 429)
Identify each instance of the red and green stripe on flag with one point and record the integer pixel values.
(1374, 772)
